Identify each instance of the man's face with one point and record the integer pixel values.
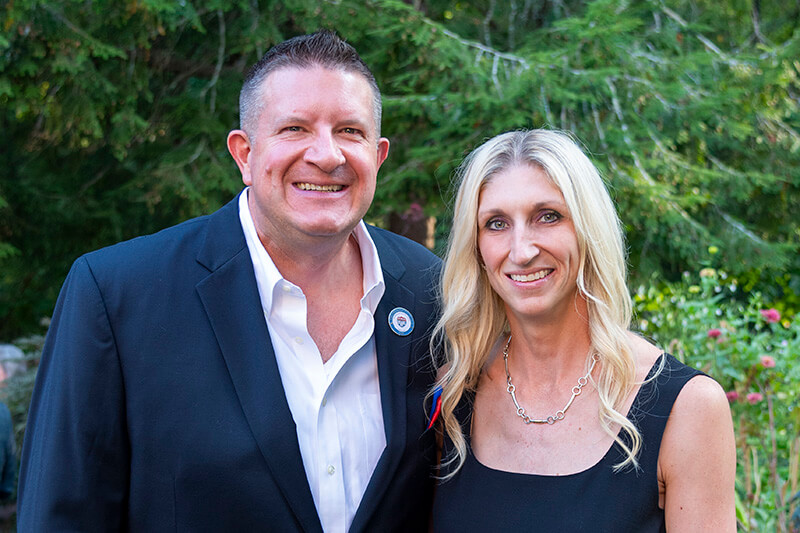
(313, 164)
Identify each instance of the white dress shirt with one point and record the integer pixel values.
(336, 405)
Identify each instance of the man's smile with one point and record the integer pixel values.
(321, 188)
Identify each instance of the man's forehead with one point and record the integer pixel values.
(284, 71)
(292, 74)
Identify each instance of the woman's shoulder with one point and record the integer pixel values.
(697, 459)
(645, 354)
(702, 397)
(698, 416)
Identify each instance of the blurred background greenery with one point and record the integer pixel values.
(114, 117)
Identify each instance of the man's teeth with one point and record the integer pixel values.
(532, 277)
(322, 188)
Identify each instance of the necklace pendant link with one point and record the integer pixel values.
(560, 414)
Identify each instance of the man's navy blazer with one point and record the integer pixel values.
(159, 406)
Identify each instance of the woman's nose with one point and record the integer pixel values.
(523, 247)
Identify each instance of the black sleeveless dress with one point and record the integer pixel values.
(479, 498)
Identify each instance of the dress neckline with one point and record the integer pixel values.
(651, 374)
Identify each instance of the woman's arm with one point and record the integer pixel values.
(697, 462)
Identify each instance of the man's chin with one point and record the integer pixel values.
(329, 229)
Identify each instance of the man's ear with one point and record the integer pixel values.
(383, 150)
(239, 147)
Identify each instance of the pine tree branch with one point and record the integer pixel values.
(724, 168)
(782, 126)
(600, 133)
(495, 81)
(738, 226)
(638, 163)
(512, 24)
(735, 224)
(218, 68)
(548, 115)
(519, 60)
(700, 37)
(667, 153)
(526, 10)
(651, 90)
(756, 17)
(487, 37)
(651, 57)
(111, 50)
(254, 26)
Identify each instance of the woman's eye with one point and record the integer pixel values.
(550, 216)
(495, 224)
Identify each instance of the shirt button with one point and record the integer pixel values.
(331, 470)
(286, 288)
(298, 340)
(324, 402)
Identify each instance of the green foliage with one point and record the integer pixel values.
(754, 353)
(114, 117)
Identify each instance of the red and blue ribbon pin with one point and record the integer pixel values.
(436, 406)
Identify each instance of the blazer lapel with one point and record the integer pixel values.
(230, 297)
(394, 353)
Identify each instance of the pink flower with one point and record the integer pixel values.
(767, 361)
(754, 397)
(732, 395)
(771, 315)
(714, 333)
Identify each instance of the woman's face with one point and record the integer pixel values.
(528, 243)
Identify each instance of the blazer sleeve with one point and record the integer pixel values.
(75, 463)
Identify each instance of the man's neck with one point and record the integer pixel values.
(331, 278)
(315, 261)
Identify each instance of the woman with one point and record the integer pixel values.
(541, 369)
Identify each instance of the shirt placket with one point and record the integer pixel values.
(329, 446)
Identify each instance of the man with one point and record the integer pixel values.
(261, 368)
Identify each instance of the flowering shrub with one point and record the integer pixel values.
(754, 353)
(770, 315)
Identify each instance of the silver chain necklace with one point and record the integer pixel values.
(576, 390)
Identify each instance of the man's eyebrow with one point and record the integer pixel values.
(282, 119)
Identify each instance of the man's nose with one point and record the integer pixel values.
(523, 247)
(324, 152)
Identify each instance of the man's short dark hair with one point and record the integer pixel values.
(320, 49)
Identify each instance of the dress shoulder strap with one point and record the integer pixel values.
(653, 404)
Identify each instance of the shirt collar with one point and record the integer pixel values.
(269, 278)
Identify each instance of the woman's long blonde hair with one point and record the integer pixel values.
(473, 315)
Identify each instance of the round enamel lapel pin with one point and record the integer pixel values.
(401, 321)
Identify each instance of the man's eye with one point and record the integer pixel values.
(351, 131)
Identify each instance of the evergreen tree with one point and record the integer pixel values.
(114, 116)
